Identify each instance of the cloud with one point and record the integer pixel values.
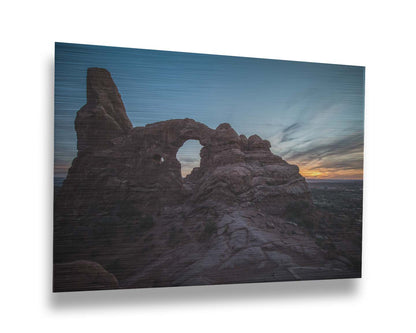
(289, 131)
(353, 164)
(354, 143)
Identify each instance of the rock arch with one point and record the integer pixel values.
(117, 163)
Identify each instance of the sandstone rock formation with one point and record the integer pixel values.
(103, 117)
(125, 204)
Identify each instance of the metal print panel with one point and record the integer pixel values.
(178, 169)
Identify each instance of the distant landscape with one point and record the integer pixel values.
(343, 198)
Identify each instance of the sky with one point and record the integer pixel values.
(312, 113)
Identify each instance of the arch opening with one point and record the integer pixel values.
(189, 156)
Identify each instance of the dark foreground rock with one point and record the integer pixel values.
(82, 275)
(245, 215)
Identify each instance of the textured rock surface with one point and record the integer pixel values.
(141, 167)
(82, 275)
(104, 116)
(125, 205)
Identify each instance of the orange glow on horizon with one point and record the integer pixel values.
(331, 173)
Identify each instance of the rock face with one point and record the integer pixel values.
(82, 275)
(103, 117)
(140, 166)
(125, 204)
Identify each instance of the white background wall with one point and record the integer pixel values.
(379, 35)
